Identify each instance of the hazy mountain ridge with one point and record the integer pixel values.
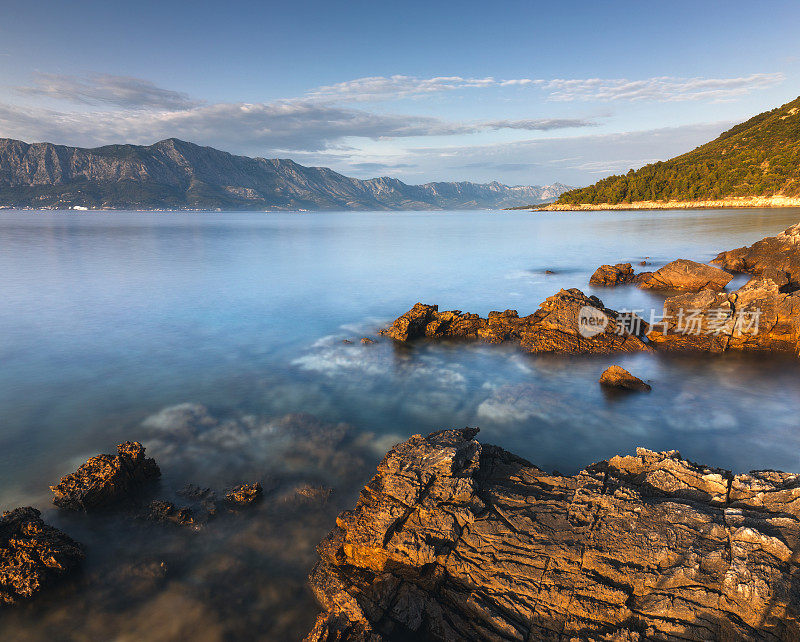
(757, 158)
(174, 174)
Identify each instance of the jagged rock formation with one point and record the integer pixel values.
(618, 274)
(32, 554)
(106, 479)
(458, 541)
(757, 316)
(619, 378)
(175, 174)
(775, 257)
(684, 275)
(554, 327)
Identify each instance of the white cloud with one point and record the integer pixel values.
(123, 91)
(287, 125)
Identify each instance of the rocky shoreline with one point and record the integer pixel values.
(728, 203)
(699, 316)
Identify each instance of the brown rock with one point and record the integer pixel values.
(758, 316)
(685, 275)
(245, 494)
(367, 341)
(106, 479)
(618, 274)
(458, 541)
(618, 377)
(774, 257)
(554, 327)
(32, 554)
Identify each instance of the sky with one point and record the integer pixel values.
(520, 92)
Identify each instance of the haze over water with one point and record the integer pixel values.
(109, 320)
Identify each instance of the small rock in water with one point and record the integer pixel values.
(347, 341)
(618, 377)
(618, 274)
(245, 494)
(106, 479)
(549, 272)
(367, 341)
(32, 554)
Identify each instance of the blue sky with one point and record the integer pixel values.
(520, 92)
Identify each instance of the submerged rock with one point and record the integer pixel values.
(105, 479)
(164, 511)
(684, 275)
(618, 274)
(32, 554)
(559, 325)
(618, 377)
(244, 494)
(456, 540)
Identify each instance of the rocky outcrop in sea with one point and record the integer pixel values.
(105, 479)
(567, 322)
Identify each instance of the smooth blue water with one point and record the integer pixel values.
(106, 319)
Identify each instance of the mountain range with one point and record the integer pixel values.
(757, 158)
(174, 174)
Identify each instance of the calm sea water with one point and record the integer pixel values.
(109, 321)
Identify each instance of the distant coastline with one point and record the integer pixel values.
(740, 202)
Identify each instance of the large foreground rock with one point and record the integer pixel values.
(554, 327)
(773, 257)
(105, 479)
(684, 275)
(455, 540)
(32, 554)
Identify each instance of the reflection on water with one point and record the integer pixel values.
(216, 340)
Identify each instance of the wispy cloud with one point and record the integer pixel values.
(574, 160)
(95, 89)
(373, 88)
(665, 88)
(659, 89)
(538, 124)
